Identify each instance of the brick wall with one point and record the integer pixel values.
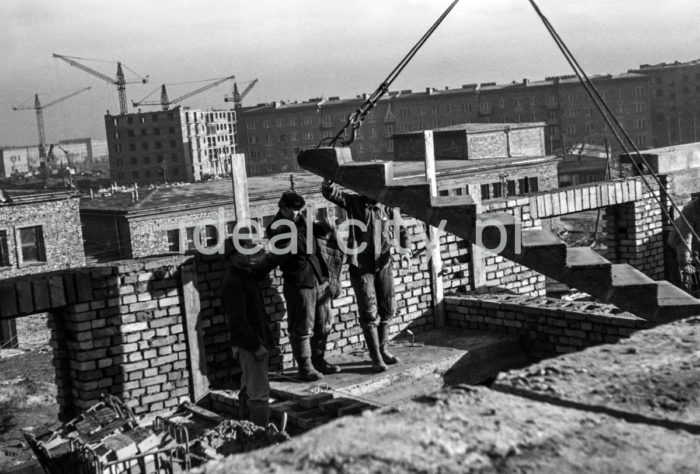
(413, 299)
(547, 325)
(62, 235)
(126, 338)
(634, 233)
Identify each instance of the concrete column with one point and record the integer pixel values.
(435, 262)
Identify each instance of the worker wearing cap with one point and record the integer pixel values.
(371, 271)
(306, 288)
(249, 326)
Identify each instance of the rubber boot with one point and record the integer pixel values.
(372, 340)
(259, 412)
(318, 356)
(243, 410)
(301, 350)
(384, 344)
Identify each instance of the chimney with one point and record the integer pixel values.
(428, 90)
(526, 81)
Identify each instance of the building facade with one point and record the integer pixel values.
(39, 232)
(13, 162)
(675, 91)
(180, 144)
(273, 134)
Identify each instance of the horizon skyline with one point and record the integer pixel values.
(273, 60)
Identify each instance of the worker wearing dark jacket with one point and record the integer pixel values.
(251, 337)
(371, 271)
(306, 287)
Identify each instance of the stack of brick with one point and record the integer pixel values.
(548, 325)
(128, 339)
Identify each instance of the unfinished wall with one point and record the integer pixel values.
(634, 233)
(547, 324)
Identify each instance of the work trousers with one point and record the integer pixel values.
(374, 292)
(255, 386)
(308, 310)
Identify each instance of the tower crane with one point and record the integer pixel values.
(40, 116)
(165, 103)
(237, 98)
(119, 81)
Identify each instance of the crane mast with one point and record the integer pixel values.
(39, 109)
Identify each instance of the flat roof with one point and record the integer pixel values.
(264, 188)
(28, 195)
(477, 128)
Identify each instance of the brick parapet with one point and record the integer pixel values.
(547, 325)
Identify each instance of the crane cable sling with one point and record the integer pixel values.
(355, 119)
(603, 107)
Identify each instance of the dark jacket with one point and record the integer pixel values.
(304, 268)
(247, 318)
(362, 209)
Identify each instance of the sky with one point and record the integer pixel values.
(308, 48)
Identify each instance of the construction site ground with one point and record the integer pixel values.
(626, 407)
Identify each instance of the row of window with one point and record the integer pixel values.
(155, 117)
(30, 245)
(144, 146)
(131, 133)
(508, 188)
(147, 159)
(150, 173)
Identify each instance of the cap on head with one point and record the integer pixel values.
(291, 200)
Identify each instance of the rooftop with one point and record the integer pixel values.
(262, 188)
(321, 102)
(478, 128)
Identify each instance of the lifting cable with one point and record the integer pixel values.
(355, 119)
(611, 120)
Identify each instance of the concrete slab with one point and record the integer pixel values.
(653, 377)
(468, 429)
(457, 354)
(585, 257)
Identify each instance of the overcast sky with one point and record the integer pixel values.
(307, 48)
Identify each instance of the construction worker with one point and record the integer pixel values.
(683, 244)
(306, 287)
(249, 326)
(371, 270)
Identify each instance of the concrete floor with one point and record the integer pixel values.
(438, 357)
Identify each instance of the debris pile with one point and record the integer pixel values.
(108, 438)
(236, 436)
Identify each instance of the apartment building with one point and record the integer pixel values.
(675, 92)
(180, 144)
(273, 134)
(13, 161)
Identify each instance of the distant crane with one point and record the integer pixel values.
(119, 81)
(165, 103)
(237, 98)
(40, 116)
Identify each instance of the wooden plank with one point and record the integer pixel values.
(437, 287)
(83, 286)
(69, 285)
(194, 332)
(57, 291)
(239, 181)
(24, 297)
(42, 300)
(8, 298)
